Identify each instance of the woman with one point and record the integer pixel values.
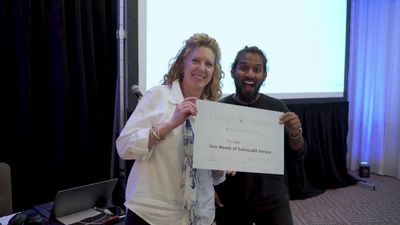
(162, 186)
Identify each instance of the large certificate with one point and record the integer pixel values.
(231, 137)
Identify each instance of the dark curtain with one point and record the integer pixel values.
(58, 66)
(325, 128)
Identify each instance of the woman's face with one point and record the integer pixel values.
(198, 68)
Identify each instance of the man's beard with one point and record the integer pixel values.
(246, 96)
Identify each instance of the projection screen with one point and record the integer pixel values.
(305, 41)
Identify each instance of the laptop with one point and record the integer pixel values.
(77, 199)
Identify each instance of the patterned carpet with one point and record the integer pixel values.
(357, 204)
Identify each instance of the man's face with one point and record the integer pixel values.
(249, 76)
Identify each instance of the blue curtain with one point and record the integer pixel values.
(373, 86)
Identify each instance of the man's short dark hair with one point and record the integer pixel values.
(254, 50)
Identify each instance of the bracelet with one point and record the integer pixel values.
(156, 132)
(298, 136)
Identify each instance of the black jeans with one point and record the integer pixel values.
(278, 216)
(133, 219)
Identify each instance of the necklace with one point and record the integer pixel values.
(236, 98)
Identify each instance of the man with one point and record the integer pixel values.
(247, 198)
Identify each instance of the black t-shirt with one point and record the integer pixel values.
(256, 191)
(263, 102)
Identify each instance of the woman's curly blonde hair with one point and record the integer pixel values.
(213, 89)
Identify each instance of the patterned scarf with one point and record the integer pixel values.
(190, 178)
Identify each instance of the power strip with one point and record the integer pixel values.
(366, 185)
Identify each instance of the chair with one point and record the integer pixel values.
(5, 190)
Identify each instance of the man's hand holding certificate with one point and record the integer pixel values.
(230, 137)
